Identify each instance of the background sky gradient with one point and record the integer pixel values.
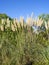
(17, 8)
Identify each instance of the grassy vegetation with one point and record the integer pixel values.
(24, 46)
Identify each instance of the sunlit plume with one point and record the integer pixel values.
(29, 21)
(39, 22)
(12, 27)
(46, 25)
(2, 28)
(17, 23)
(8, 22)
(2, 21)
(21, 21)
(14, 22)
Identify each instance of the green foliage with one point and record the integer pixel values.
(45, 17)
(4, 16)
(24, 47)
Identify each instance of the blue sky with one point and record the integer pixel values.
(17, 8)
